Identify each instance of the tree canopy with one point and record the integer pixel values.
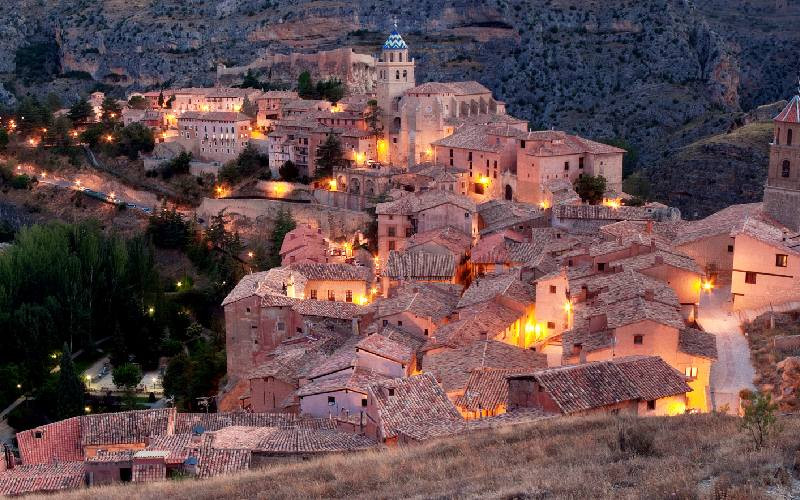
(70, 388)
(81, 112)
(331, 89)
(591, 188)
(329, 155)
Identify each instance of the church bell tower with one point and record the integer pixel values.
(782, 191)
(395, 75)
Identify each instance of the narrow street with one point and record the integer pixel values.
(733, 370)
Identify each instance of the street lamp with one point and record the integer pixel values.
(250, 254)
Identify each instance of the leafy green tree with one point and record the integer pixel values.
(70, 393)
(331, 90)
(591, 188)
(134, 139)
(127, 376)
(305, 87)
(283, 224)
(289, 171)
(637, 184)
(180, 165)
(373, 116)
(81, 112)
(111, 111)
(759, 415)
(249, 162)
(196, 374)
(329, 155)
(138, 102)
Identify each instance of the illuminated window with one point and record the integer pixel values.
(750, 278)
(331, 400)
(331, 295)
(690, 371)
(348, 296)
(781, 260)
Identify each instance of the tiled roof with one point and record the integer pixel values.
(472, 137)
(427, 300)
(505, 247)
(500, 214)
(356, 380)
(478, 321)
(48, 478)
(392, 343)
(602, 212)
(416, 404)
(790, 113)
(111, 456)
(697, 343)
(489, 287)
(413, 203)
(469, 87)
(625, 285)
(214, 462)
(420, 266)
(586, 386)
(329, 309)
(342, 358)
(394, 42)
(487, 389)
(667, 231)
(448, 237)
(749, 218)
(187, 422)
(59, 441)
(554, 143)
(126, 427)
(301, 236)
(295, 359)
(331, 272)
(452, 367)
(671, 258)
(246, 287)
(313, 441)
(214, 116)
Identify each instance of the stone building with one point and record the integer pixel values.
(218, 136)
(782, 192)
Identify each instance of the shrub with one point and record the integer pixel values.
(21, 182)
(759, 415)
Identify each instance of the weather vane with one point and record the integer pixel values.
(395, 22)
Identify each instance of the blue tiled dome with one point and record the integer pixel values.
(395, 42)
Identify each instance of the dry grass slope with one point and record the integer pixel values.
(701, 456)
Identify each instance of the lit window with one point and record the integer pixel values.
(348, 296)
(781, 260)
(690, 371)
(331, 295)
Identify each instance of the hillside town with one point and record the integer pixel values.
(507, 278)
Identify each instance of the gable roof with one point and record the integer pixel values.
(487, 389)
(420, 266)
(427, 300)
(413, 203)
(452, 367)
(577, 388)
(489, 287)
(392, 343)
(416, 405)
(697, 343)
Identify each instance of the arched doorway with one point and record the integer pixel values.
(355, 186)
(369, 188)
(509, 192)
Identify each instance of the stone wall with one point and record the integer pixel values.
(783, 205)
(334, 222)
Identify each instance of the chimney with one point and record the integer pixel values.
(598, 323)
(649, 227)
(649, 294)
(8, 461)
(659, 260)
(197, 434)
(484, 335)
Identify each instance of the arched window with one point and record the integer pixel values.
(785, 168)
(400, 57)
(391, 56)
(405, 75)
(509, 192)
(789, 137)
(397, 75)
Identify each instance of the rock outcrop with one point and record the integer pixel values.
(789, 371)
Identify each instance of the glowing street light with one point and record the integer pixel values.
(109, 138)
(78, 182)
(19, 386)
(250, 254)
(707, 285)
(151, 310)
(87, 409)
(178, 284)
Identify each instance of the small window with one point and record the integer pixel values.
(391, 231)
(385, 322)
(651, 405)
(281, 326)
(399, 322)
(313, 295)
(750, 278)
(331, 295)
(580, 162)
(426, 332)
(331, 400)
(38, 434)
(363, 402)
(522, 144)
(638, 339)
(566, 165)
(789, 137)
(730, 248)
(553, 289)
(391, 391)
(785, 168)
(781, 260)
(348, 296)
(248, 309)
(601, 266)
(551, 325)
(577, 348)
(690, 371)
(391, 246)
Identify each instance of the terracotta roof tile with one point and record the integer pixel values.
(392, 343)
(487, 389)
(412, 266)
(452, 367)
(790, 113)
(49, 478)
(126, 427)
(488, 287)
(697, 343)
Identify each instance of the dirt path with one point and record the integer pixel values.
(733, 370)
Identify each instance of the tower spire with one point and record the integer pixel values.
(395, 22)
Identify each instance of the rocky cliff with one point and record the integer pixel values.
(647, 71)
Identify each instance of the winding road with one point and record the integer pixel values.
(733, 370)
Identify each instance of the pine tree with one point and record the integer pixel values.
(283, 224)
(249, 108)
(161, 99)
(70, 396)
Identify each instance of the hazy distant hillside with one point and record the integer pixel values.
(647, 71)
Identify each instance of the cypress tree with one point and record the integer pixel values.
(70, 396)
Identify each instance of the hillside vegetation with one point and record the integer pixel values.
(700, 456)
